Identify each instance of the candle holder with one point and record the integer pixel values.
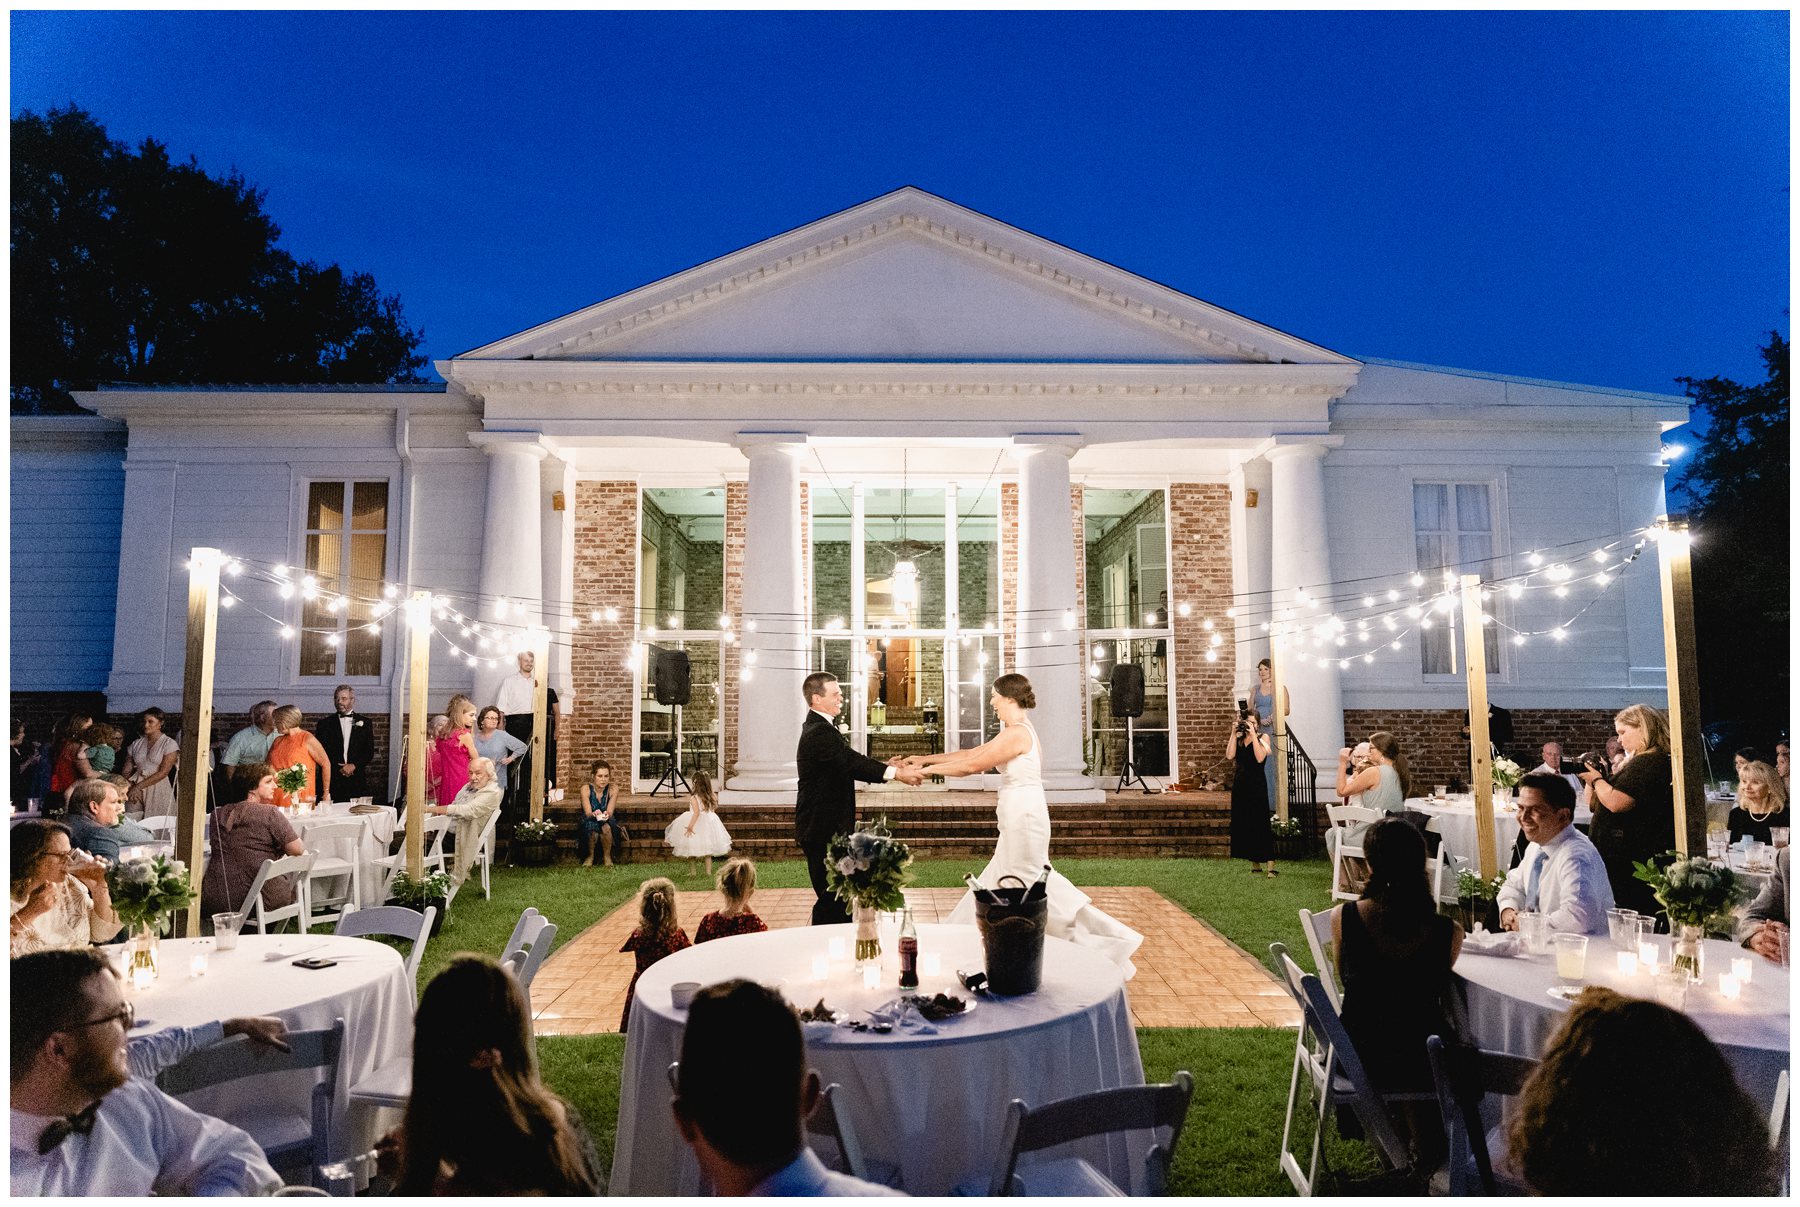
(1741, 968)
(1730, 988)
(821, 967)
(871, 975)
(931, 964)
(1628, 963)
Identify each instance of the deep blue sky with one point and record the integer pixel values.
(1592, 197)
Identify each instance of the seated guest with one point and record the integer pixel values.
(1553, 765)
(737, 880)
(101, 754)
(1764, 925)
(243, 835)
(82, 1123)
(600, 825)
(1781, 765)
(1561, 875)
(478, 801)
(1394, 952)
(658, 934)
(97, 822)
(480, 1121)
(1631, 1100)
(1746, 756)
(743, 1092)
(59, 896)
(1762, 804)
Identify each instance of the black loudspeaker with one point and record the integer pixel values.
(1128, 690)
(670, 675)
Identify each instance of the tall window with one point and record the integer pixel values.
(1453, 529)
(1126, 537)
(681, 600)
(346, 550)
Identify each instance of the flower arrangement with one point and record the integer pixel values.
(291, 779)
(868, 868)
(147, 891)
(1507, 773)
(540, 829)
(1472, 885)
(1695, 891)
(1291, 828)
(428, 889)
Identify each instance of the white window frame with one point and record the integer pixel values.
(1134, 629)
(299, 492)
(1500, 665)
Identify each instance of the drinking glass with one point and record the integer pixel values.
(1672, 986)
(225, 931)
(1621, 928)
(1571, 958)
(1780, 836)
(1535, 928)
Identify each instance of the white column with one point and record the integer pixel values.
(770, 709)
(1300, 557)
(1250, 564)
(1049, 649)
(512, 547)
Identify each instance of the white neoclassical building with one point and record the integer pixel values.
(907, 443)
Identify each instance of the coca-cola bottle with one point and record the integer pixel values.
(909, 952)
(1040, 887)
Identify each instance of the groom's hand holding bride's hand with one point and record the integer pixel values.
(907, 771)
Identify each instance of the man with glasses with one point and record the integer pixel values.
(1562, 875)
(85, 1118)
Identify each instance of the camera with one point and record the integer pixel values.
(1243, 709)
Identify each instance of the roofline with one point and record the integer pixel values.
(1577, 387)
(185, 404)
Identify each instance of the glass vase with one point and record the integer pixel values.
(142, 954)
(1687, 950)
(868, 933)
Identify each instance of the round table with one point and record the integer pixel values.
(929, 1105)
(1511, 1010)
(368, 989)
(1453, 819)
(377, 837)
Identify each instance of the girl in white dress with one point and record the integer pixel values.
(1024, 821)
(699, 834)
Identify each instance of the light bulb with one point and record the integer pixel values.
(228, 601)
(612, 615)
(1368, 601)
(1418, 580)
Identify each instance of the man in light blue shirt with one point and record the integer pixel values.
(251, 743)
(1561, 875)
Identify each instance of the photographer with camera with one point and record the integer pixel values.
(1248, 750)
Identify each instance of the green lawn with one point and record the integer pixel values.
(1241, 1076)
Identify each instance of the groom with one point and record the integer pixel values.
(825, 804)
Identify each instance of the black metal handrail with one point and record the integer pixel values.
(1303, 787)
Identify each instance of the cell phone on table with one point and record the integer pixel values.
(315, 963)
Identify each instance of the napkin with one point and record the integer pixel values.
(904, 1015)
(1487, 943)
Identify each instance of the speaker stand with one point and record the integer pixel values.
(671, 776)
(1129, 774)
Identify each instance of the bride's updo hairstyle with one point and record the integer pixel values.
(1016, 688)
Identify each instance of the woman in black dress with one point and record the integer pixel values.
(1634, 807)
(1251, 837)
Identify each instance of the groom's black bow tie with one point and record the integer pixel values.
(80, 1121)
(346, 715)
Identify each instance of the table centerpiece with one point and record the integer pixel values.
(867, 870)
(292, 780)
(146, 892)
(1698, 893)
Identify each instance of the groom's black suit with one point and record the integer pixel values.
(825, 804)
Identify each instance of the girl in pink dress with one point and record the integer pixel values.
(455, 749)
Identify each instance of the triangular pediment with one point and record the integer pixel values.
(906, 277)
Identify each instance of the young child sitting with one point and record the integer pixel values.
(737, 880)
(698, 833)
(658, 934)
(102, 751)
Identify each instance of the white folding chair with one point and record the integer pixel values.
(484, 853)
(532, 937)
(397, 922)
(163, 826)
(336, 876)
(298, 866)
(1318, 939)
(433, 829)
(1438, 863)
(1497, 1073)
(1342, 817)
(1154, 1108)
(287, 1138)
(832, 1122)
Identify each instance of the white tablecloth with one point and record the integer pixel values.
(368, 989)
(932, 1105)
(1511, 1010)
(1454, 820)
(378, 834)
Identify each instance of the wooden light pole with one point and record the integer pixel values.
(539, 639)
(196, 722)
(1681, 656)
(1481, 761)
(418, 622)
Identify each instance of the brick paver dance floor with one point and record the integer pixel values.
(1188, 975)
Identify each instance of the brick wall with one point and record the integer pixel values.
(1436, 750)
(606, 561)
(1200, 575)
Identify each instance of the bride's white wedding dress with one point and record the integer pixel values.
(1024, 849)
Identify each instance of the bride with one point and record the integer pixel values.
(1024, 820)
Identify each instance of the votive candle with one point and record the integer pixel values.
(1729, 986)
(141, 977)
(1647, 954)
(198, 962)
(1628, 963)
(1740, 968)
(931, 964)
(835, 947)
(821, 967)
(871, 976)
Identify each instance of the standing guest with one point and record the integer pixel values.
(435, 728)
(478, 800)
(1500, 728)
(1553, 764)
(348, 740)
(25, 760)
(1251, 836)
(1262, 699)
(1562, 875)
(1764, 927)
(251, 743)
(1631, 1100)
(65, 745)
(742, 1093)
(1615, 753)
(658, 934)
(295, 747)
(150, 766)
(455, 748)
(101, 754)
(82, 1124)
(496, 745)
(480, 1120)
(59, 896)
(97, 822)
(517, 698)
(1762, 804)
(1394, 951)
(600, 826)
(737, 880)
(1634, 807)
(1744, 757)
(698, 833)
(243, 835)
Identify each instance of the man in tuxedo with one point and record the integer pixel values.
(825, 804)
(349, 742)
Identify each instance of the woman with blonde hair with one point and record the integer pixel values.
(658, 934)
(1634, 807)
(456, 748)
(1762, 803)
(295, 746)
